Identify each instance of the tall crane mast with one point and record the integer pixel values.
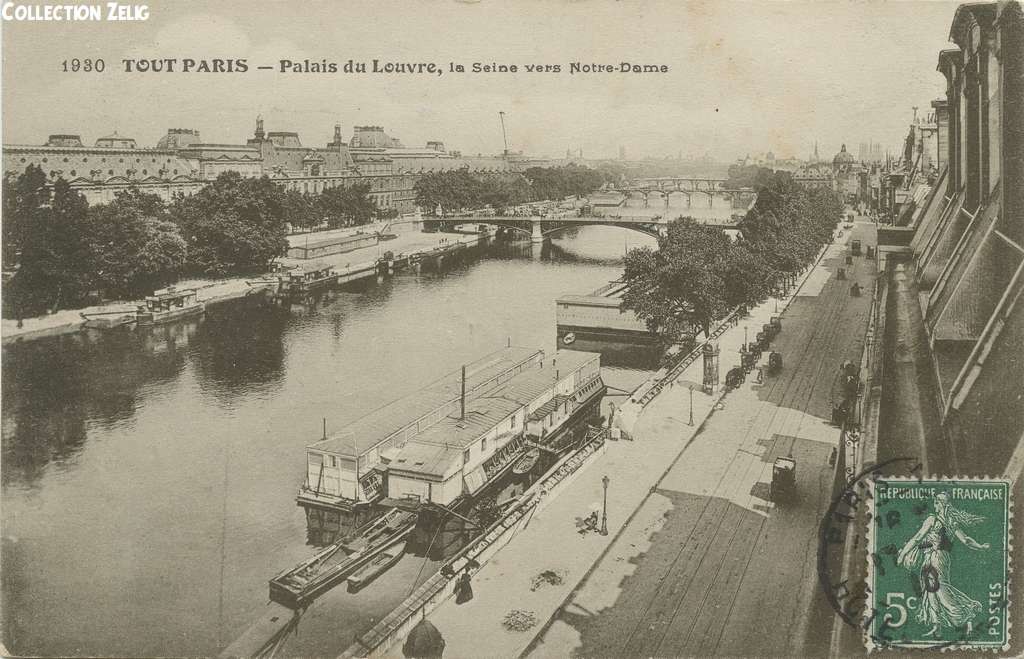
(501, 115)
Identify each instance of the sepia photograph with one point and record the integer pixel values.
(511, 329)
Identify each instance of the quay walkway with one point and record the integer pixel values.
(351, 265)
(682, 495)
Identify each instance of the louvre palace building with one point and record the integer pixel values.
(182, 163)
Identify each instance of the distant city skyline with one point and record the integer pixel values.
(743, 78)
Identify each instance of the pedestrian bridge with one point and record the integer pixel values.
(539, 228)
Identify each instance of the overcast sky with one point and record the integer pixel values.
(743, 76)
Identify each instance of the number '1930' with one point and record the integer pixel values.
(84, 65)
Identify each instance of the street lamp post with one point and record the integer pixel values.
(744, 337)
(604, 509)
(691, 404)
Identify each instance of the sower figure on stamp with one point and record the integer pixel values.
(942, 604)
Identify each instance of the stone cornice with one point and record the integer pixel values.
(982, 14)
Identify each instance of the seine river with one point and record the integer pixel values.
(149, 476)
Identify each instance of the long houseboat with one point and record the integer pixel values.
(345, 470)
(441, 453)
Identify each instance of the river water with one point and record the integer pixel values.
(149, 476)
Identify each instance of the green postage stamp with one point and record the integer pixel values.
(938, 569)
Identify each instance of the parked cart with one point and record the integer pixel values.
(783, 485)
(735, 377)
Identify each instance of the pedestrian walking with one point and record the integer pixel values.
(463, 589)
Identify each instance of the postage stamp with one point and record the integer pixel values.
(938, 568)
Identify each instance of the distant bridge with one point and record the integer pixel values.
(539, 228)
(682, 183)
(689, 187)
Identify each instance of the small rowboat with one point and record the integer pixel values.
(376, 567)
(526, 463)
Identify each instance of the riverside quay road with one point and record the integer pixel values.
(696, 569)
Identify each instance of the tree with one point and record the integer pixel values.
(452, 191)
(234, 225)
(135, 247)
(25, 196)
(346, 206)
(561, 182)
(54, 269)
(500, 191)
(301, 210)
(749, 279)
(682, 284)
(697, 274)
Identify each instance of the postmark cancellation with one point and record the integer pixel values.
(939, 564)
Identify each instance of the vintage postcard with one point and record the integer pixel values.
(522, 328)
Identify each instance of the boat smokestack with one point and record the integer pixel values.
(325, 427)
(462, 398)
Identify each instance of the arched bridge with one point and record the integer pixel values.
(680, 183)
(539, 228)
(689, 188)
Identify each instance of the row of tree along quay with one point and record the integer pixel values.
(458, 190)
(66, 254)
(698, 273)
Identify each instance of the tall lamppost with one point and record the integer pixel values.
(691, 404)
(744, 337)
(604, 509)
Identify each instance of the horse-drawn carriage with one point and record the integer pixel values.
(735, 377)
(748, 360)
(774, 362)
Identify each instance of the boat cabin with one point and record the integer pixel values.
(347, 468)
(170, 299)
(309, 273)
(419, 449)
(462, 453)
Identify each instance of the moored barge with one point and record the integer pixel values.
(169, 304)
(453, 438)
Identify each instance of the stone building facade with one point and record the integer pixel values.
(182, 163)
(964, 248)
(113, 164)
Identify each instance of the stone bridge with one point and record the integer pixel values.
(688, 187)
(539, 228)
